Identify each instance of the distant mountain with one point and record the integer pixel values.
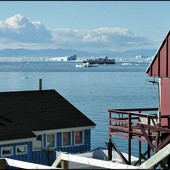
(37, 53)
(67, 52)
(129, 53)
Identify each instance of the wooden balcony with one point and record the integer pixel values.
(125, 122)
(139, 124)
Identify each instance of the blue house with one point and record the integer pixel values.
(36, 124)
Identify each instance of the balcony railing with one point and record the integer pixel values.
(125, 122)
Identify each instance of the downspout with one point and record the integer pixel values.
(159, 100)
(158, 84)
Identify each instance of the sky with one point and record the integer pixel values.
(84, 25)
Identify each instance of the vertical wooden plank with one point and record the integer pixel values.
(151, 71)
(155, 66)
(87, 139)
(167, 56)
(59, 138)
(165, 98)
(158, 56)
(72, 137)
(163, 60)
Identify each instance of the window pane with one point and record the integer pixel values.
(38, 143)
(78, 137)
(21, 149)
(66, 138)
(6, 151)
(50, 140)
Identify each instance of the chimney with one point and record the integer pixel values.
(40, 84)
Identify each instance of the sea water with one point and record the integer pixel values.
(92, 90)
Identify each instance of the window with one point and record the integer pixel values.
(6, 151)
(22, 149)
(78, 137)
(66, 138)
(37, 144)
(50, 142)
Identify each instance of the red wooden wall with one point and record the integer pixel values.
(160, 67)
(165, 100)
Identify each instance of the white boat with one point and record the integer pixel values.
(86, 65)
(79, 65)
(126, 64)
(89, 65)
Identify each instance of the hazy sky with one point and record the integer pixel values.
(84, 25)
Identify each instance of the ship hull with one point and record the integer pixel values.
(101, 61)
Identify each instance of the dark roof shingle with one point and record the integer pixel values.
(22, 112)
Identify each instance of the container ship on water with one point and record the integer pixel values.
(100, 60)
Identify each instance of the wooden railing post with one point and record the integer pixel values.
(148, 122)
(110, 118)
(64, 164)
(129, 138)
(2, 164)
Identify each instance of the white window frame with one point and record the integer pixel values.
(37, 149)
(70, 139)
(75, 137)
(21, 153)
(5, 155)
(54, 140)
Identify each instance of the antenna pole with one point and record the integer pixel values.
(40, 84)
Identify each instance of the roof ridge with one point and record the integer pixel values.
(28, 91)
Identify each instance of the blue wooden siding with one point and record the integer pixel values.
(45, 157)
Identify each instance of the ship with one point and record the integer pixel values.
(100, 60)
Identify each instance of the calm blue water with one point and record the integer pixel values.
(92, 90)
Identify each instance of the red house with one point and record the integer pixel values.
(160, 67)
(150, 126)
